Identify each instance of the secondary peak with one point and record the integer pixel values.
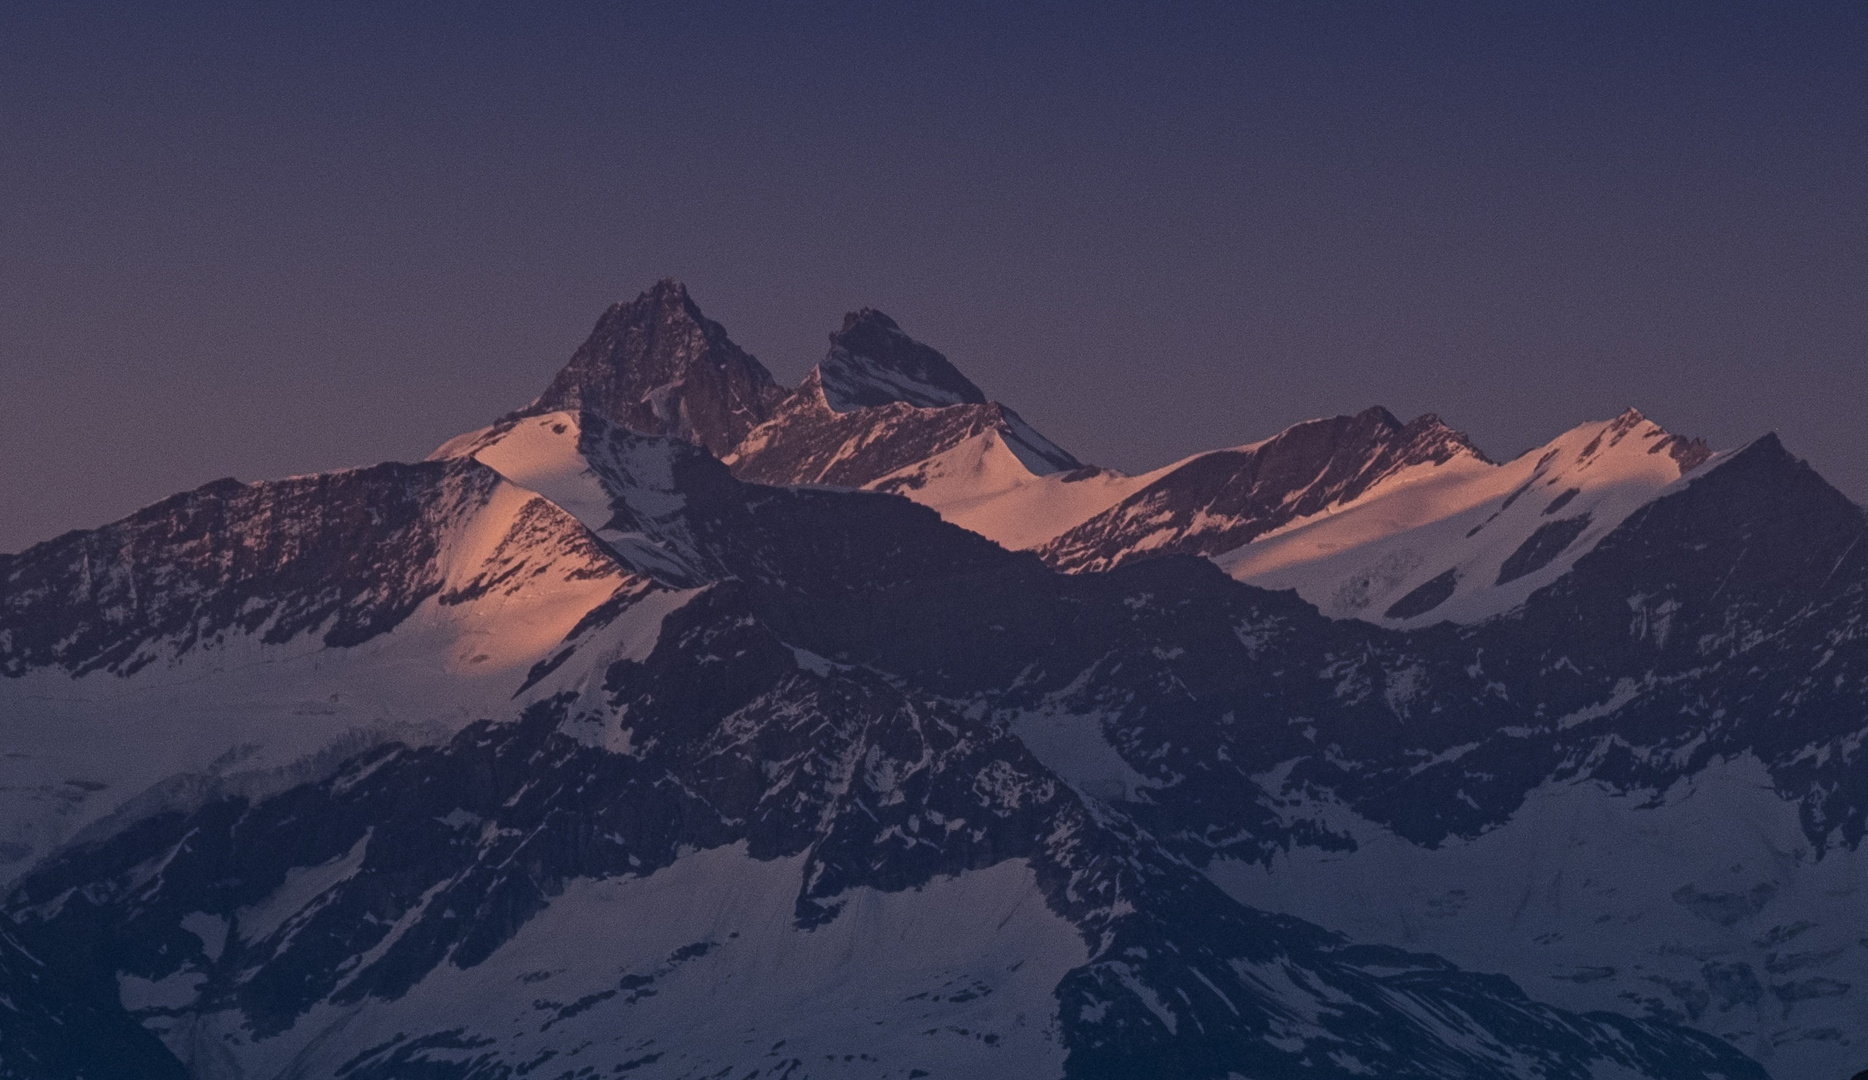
(872, 362)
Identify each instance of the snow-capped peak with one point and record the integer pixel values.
(1474, 540)
(872, 362)
(1214, 502)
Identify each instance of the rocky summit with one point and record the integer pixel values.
(659, 366)
(679, 725)
(872, 362)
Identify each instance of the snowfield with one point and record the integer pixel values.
(698, 970)
(1707, 902)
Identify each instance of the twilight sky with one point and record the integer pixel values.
(254, 240)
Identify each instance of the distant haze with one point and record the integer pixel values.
(255, 241)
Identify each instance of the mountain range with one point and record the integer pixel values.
(680, 724)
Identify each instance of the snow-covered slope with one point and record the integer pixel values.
(244, 637)
(697, 968)
(1365, 516)
(982, 485)
(618, 484)
(1704, 901)
(1468, 539)
(739, 856)
(1217, 501)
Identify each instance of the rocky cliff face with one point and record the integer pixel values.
(877, 410)
(348, 555)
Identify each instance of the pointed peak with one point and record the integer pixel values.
(1376, 414)
(666, 301)
(1439, 440)
(1766, 447)
(873, 362)
(1624, 422)
(1688, 452)
(867, 316)
(666, 293)
(658, 366)
(1632, 423)
(1426, 438)
(1767, 478)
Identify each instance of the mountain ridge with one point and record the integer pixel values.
(885, 412)
(575, 749)
(855, 569)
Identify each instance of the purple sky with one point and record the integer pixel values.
(248, 240)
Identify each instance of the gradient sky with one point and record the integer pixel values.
(255, 240)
